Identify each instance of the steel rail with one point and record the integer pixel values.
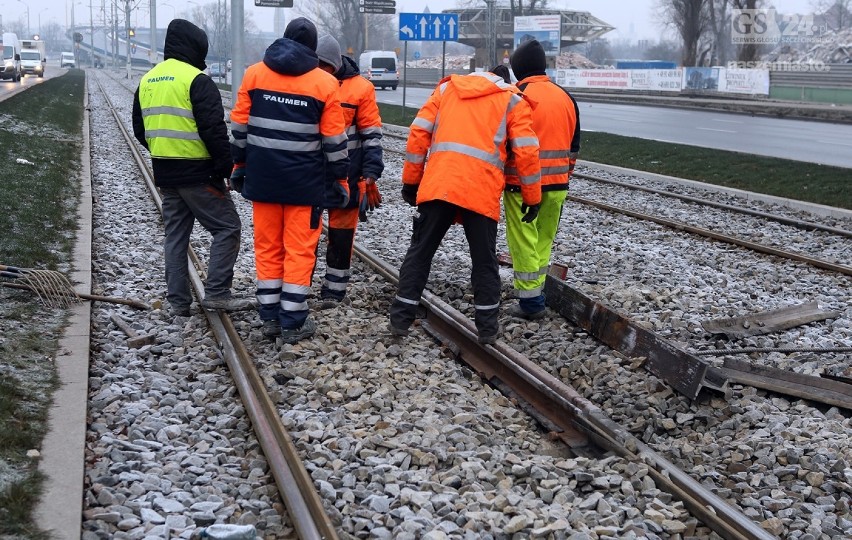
(799, 224)
(677, 225)
(566, 408)
(295, 485)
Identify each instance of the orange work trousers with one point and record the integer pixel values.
(285, 248)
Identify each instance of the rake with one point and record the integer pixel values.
(53, 289)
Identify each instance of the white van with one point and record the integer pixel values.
(66, 59)
(31, 62)
(380, 67)
(11, 57)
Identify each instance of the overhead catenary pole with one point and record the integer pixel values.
(237, 48)
(490, 35)
(154, 43)
(127, 33)
(91, 35)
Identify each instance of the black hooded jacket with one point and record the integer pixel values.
(348, 69)
(187, 43)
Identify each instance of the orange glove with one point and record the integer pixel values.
(374, 198)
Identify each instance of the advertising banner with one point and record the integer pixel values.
(594, 78)
(547, 29)
(658, 80)
(738, 81)
(745, 81)
(701, 78)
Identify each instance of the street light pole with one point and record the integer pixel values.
(39, 20)
(29, 35)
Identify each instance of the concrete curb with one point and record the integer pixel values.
(60, 509)
(813, 208)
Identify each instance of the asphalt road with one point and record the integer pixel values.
(801, 140)
(9, 88)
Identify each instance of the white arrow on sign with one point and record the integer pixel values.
(452, 32)
(437, 25)
(423, 25)
(408, 31)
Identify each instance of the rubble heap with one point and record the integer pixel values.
(574, 60)
(434, 62)
(831, 48)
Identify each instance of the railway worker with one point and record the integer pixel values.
(178, 116)
(556, 122)
(289, 148)
(364, 129)
(466, 126)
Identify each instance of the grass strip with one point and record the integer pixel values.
(821, 184)
(40, 144)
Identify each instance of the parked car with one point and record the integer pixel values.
(66, 59)
(215, 70)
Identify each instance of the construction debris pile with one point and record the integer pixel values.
(434, 62)
(574, 60)
(829, 48)
(563, 61)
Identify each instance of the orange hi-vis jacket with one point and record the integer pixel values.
(556, 122)
(363, 126)
(288, 128)
(466, 126)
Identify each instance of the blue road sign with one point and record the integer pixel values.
(428, 27)
(417, 55)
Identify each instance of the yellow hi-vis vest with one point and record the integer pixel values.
(170, 127)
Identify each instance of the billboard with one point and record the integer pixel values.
(547, 29)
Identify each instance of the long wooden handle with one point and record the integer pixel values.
(93, 297)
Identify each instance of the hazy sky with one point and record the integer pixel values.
(632, 18)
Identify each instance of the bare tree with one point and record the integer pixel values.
(747, 52)
(836, 14)
(720, 29)
(663, 50)
(690, 18)
(532, 7)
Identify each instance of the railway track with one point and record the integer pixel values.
(306, 363)
(294, 483)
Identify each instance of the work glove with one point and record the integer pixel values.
(409, 193)
(341, 189)
(362, 200)
(374, 198)
(530, 212)
(238, 178)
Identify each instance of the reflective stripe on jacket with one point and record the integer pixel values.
(289, 131)
(465, 126)
(170, 128)
(556, 124)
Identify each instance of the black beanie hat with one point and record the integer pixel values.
(502, 71)
(528, 59)
(302, 30)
